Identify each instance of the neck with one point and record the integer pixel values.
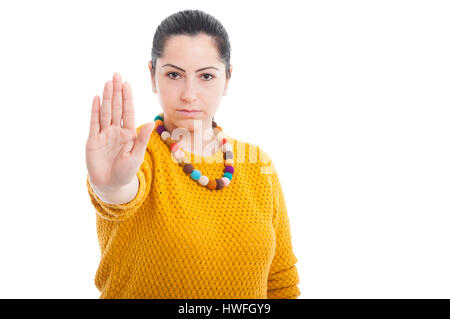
(200, 141)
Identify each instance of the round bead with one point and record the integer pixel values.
(160, 129)
(178, 153)
(229, 161)
(224, 141)
(227, 147)
(179, 157)
(203, 180)
(212, 184)
(228, 155)
(174, 147)
(171, 144)
(169, 141)
(158, 123)
(228, 175)
(188, 168)
(220, 136)
(219, 183)
(216, 130)
(226, 181)
(229, 169)
(159, 117)
(165, 135)
(196, 174)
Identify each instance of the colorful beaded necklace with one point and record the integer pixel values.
(196, 175)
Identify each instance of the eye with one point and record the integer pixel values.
(168, 74)
(211, 76)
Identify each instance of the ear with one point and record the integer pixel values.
(227, 80)
(152, 76)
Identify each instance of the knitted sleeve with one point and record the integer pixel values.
(283, 275)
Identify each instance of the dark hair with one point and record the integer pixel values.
(192, 22)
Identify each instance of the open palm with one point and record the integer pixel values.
(114, 152)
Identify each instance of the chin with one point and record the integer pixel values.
(185, 123)
(190, 121)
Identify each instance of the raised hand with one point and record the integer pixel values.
(114, 152)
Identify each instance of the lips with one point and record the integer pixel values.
(189, 113)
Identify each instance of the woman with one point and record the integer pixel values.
(172, 221)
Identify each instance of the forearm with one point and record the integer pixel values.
(120, 196)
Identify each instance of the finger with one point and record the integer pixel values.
(142, 139)
(128, 107)
(94, 128)
(117, 100)
(105, 111)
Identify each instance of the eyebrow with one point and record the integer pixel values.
(176, 67)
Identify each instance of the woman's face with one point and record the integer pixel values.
(189, 76)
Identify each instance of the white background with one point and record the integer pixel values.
(349, 98)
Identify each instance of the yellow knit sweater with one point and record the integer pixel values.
(179, 240)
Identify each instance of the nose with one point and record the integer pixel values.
(189, 91)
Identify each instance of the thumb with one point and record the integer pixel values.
(142, 140)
